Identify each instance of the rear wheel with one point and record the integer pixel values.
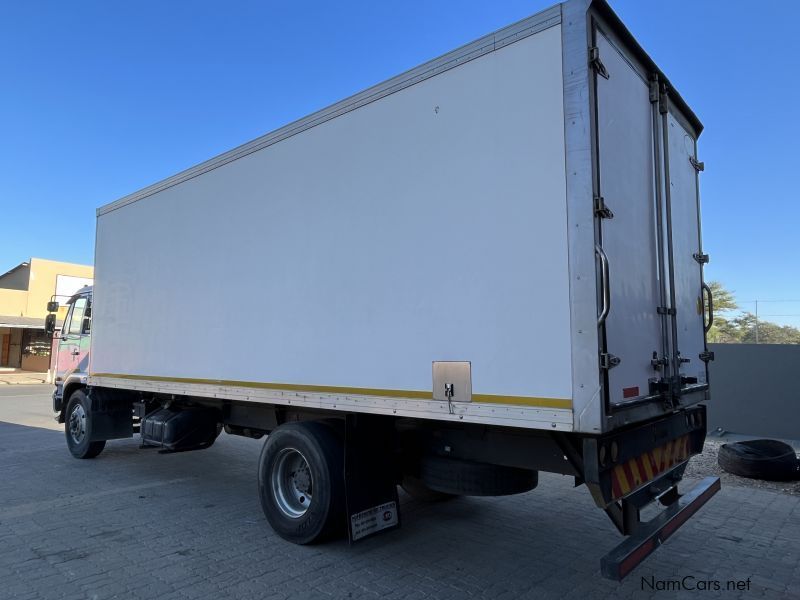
(301, 482)
(78, 427)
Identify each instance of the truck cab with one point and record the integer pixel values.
(72, 355)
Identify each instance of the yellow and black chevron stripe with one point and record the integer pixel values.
(627, 477)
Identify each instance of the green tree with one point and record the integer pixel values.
(741, 328)
(722, 331)
(724, 300)
(768, 332)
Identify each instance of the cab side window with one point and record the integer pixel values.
(67, 321)
(87, 318)
(75, 325)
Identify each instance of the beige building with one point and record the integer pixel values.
(25, 291)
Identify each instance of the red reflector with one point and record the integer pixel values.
(631, 392)
(636, 557)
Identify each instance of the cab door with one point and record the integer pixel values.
(69, 342)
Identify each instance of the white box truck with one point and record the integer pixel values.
(485, 267)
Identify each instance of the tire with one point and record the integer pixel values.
(301, 482)
(417, 489)
(214, 439)
(78, 427)
(466, 478)
(759, 459)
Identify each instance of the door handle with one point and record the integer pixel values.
(710, 305)
(604, 282)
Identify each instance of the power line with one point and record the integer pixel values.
(756, 301)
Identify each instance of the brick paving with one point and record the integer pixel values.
(137, 524)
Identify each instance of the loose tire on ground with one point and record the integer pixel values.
(301, 482)
(78, 427)
(760, 459)
(466, 478)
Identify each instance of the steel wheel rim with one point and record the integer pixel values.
(77, 424)
(292, 483)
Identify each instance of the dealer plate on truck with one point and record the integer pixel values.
(373, 520)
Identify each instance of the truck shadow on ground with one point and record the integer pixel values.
(194, 519)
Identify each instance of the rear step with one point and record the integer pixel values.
(650, 535)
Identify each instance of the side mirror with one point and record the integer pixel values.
(50, 324)
(52, 306)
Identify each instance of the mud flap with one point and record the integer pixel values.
(370, 476)
(112, 415)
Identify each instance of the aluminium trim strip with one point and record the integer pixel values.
(488, 43)
(551, 419)
(583, 290)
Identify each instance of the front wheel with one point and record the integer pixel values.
(301, 482)
(78, 427)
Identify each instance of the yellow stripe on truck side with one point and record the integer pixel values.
(531, 401)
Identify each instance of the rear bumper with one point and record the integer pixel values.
(628, 461)
(650, 535)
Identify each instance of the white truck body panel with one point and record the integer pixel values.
(445, 215)
(356, 253)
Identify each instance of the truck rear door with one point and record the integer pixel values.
(687, 257)
(648, 229)
(627, 218)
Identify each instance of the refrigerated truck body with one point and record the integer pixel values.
(485, 267)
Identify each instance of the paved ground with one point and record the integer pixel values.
(18, 376)
(136, 524)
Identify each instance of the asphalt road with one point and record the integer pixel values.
(137, 524)
(28, 405)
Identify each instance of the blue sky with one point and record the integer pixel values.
(102, 98)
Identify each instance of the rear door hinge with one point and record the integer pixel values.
(596, 63)
(663, 99)
(601, 209)
(698, 165)
(700, 257)
(653, 88)
(608, 361)
(664, 310)
(706, 356)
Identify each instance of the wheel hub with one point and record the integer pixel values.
(77, 424)
(292, 483)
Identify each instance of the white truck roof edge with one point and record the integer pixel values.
(602, 9)
(484, 45)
